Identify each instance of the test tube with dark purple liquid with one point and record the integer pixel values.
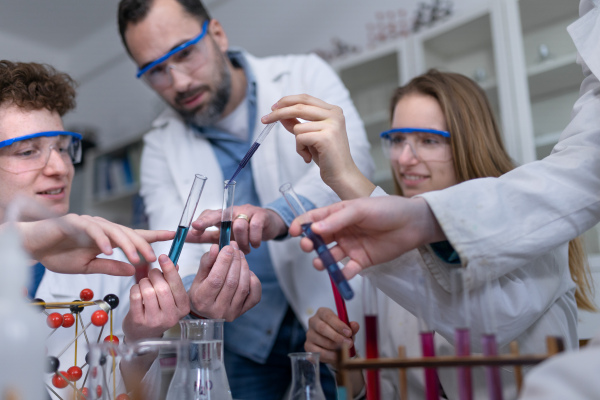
(227, 214)
(186, 217)
(372, 346)
(319, 244)
(488, 341)
(462, 339)
(426, 333)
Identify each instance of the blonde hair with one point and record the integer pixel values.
(478, 150)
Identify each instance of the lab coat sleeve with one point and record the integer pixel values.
(507, 222)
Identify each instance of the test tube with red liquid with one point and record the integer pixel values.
(372, 347)
(462, 339)
(341, 288)
(426, 333)
(489, 343)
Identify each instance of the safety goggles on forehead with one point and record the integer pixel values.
(32, 152)
(424, 144)
(186, 58)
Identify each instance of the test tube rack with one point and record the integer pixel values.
(345, 363)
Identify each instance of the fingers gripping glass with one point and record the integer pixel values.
(425, 144)
(185, 58)
(32, 152)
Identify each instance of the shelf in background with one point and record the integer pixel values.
(559, 76)
(547, 139)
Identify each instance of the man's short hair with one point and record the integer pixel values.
(134, 11)
(35, 86)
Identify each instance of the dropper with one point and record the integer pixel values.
(253, 149)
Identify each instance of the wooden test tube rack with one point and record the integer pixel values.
(345, 363)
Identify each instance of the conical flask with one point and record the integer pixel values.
(306, 384)
(203, 370)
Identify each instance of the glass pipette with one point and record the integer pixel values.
(253, 149)
(186, 217)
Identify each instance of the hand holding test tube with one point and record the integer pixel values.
(320, 247)
(186, 217)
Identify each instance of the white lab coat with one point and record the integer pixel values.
(173, 153)
(504, 223)
(530, 303)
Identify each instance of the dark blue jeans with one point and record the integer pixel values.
(250, 380)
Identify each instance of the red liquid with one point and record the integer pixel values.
(492, 374)
(372, 352)
(432, 388)
(340, 306)
(462, 344)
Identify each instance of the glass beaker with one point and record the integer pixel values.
(306, 384)
(204, 366)
(227, 214)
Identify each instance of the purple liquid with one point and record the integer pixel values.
(462, 344)
(432, 388)
(492, 374)
(373, 392)
(245, 160)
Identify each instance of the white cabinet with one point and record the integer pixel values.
(111, 181)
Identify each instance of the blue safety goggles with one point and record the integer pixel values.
(183, 46)
(386, 134)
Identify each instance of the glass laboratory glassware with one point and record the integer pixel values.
(372, 347)
(488, 341)
(426, 333)
(186, 217)
(253, 149)
(101, 380)
(335, 274)
(227, 214)
(205, 368)
(306, 384)
(462, 339)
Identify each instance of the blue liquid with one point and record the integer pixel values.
(334, 272)
(244, 161)
(225, 235)
(178, 242)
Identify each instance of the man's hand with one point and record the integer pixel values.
(224, 286)
(71, 244)
(157, 303)
(327, 333)
(371, 231)
(262, 225)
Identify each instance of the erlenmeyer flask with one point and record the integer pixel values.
(203, 371)
(306, 384)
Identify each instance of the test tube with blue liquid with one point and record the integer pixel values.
(227, 214)
(462, 339)
(319, 244)
(186, 217)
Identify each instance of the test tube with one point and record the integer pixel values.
(372, 347)
(319, 244)
(227, 214)
(186, 217)
(488, 341)
(426, 333)
(462, 340)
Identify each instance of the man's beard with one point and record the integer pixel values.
(211, 112)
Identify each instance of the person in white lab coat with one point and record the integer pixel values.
(216, 95)
(443, 132)
(37, 159)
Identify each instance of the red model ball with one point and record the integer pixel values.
(99, 318)
(99, 391)
(86, 295)
(54, 320)
(75, 373)
(68, 320)
(58, 381)
(112, 338)
(123, 396)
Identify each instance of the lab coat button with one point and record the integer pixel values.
(309, 311)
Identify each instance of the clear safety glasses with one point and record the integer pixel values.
(32, 152)
(185, 58)
(425, 144)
